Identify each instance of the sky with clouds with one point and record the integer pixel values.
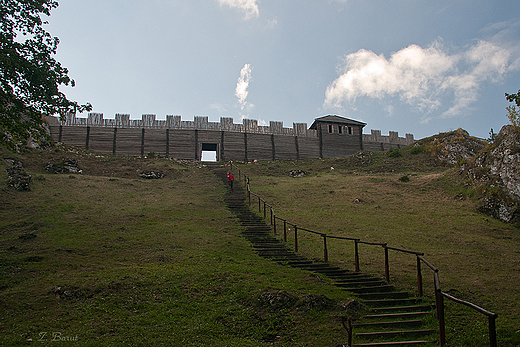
(412, 66)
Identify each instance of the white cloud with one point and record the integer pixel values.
(250, 7)
(422, 77)
(241, 91)
(219, 107)
(272, 23)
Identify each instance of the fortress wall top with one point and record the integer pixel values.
(393, 138)
(175, 122)
(225, 124)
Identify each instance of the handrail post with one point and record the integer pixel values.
(264, 210)
(356, 255)
(259, 206)
(492, 331)
(295, 239)
(274, 224)
(387, 265)
(249, 195)
(284, 230)
(271, 216)
(439, 304)
(325, 251)
(419, 277)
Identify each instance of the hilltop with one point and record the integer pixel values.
(114, 258)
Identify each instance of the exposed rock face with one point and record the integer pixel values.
(361, 158)
(277, 299)
(297, 173)
(16, 175)
(496, 170)
(151, 174)
(66, 166)
(505, 161)
(453, 147)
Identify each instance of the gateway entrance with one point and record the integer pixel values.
(209, 152)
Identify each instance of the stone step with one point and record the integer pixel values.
(354, 280)
(390, 324)
(396, 343)
(373, 289)
(396, 315)
(269, 247)
(361, 283)
(416, 308)
(391, 302)
(347, 275)
(379, 334)
(380, 296)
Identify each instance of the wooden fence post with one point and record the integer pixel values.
(325, 250)
(419, 277)
(387, 265)
(492, 331)
(356, 255)
(295, 239)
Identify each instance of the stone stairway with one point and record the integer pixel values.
(395, 318)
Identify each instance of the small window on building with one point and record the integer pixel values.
(340, 129)
(330, 129)
(350, 130)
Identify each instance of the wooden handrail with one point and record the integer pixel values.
(404, 250)
(439, 295)
(428, 263)
(469, 304)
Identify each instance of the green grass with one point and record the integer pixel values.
(434, 212)
(107, 258)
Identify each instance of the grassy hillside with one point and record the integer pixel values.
(108, 258)
(409, 201)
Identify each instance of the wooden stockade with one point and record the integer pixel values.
(263, 206)
(328, 137)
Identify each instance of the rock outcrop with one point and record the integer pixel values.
(453, 147)
(17, 178)
(495, 171)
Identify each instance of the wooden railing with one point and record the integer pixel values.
(439, 294)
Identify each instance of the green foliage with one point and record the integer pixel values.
(417, 149)
(404, 178)
(394, 153)
(514, 115)
(492, 136)
(512, 112)
(30, 77)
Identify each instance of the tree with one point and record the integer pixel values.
(512, 112)
(30, 77)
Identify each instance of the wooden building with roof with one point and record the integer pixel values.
(338, 136)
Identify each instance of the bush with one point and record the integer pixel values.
(394, 153)
(417, 150)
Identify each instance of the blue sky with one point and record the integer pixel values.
(411, 66)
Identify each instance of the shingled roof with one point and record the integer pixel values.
(337, 120)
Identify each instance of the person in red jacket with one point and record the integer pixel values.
(230, 179)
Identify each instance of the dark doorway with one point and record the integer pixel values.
(209, 152)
